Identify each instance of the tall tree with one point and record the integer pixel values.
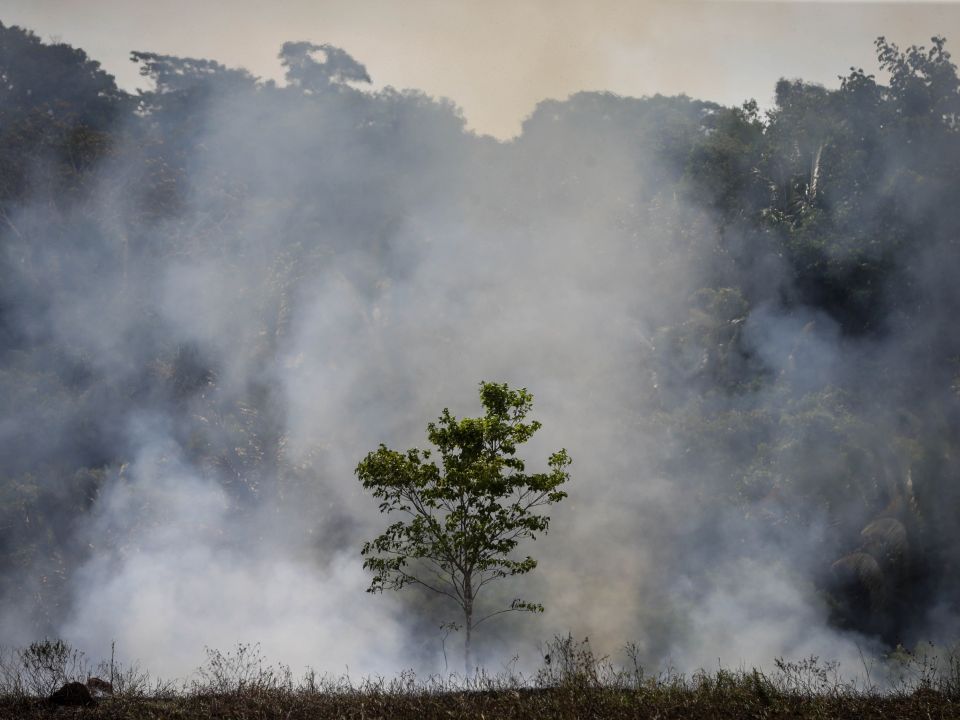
(464, 518)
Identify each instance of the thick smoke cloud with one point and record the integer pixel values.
(257, 284)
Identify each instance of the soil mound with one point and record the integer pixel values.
(73, 694)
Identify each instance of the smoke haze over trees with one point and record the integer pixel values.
(218, 294)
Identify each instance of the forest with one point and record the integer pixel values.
(218, 293)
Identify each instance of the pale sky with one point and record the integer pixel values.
(497, 58)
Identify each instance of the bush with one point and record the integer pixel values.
(42, 667)
(242, 670)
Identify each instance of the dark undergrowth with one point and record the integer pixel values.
(571, 683)
(738, 699)
(741, 702)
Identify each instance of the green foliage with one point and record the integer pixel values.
(464, 518)
(56, 104)
(923, 81)
(306, 71)
(56, 79)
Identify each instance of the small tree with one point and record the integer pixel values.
(463, 519)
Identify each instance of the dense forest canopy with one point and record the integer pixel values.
(216, 293)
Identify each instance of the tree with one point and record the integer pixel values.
(58, 110)
(54, 80)
(306, 71)
(465, 517)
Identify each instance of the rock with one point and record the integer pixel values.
(99, 687)
(73, 694)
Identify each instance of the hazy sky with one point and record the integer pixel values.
(498, 58)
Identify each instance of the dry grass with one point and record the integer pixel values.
(738, 701)
(572, 684)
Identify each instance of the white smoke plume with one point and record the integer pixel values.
(326, 269)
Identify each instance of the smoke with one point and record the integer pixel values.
(168, 569)
(259, 284)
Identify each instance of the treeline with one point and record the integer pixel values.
(786, 282)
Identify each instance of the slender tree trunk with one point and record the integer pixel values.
(815, 173)
(467, 660)
(468, 623)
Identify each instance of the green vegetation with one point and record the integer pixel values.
(464, 521)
